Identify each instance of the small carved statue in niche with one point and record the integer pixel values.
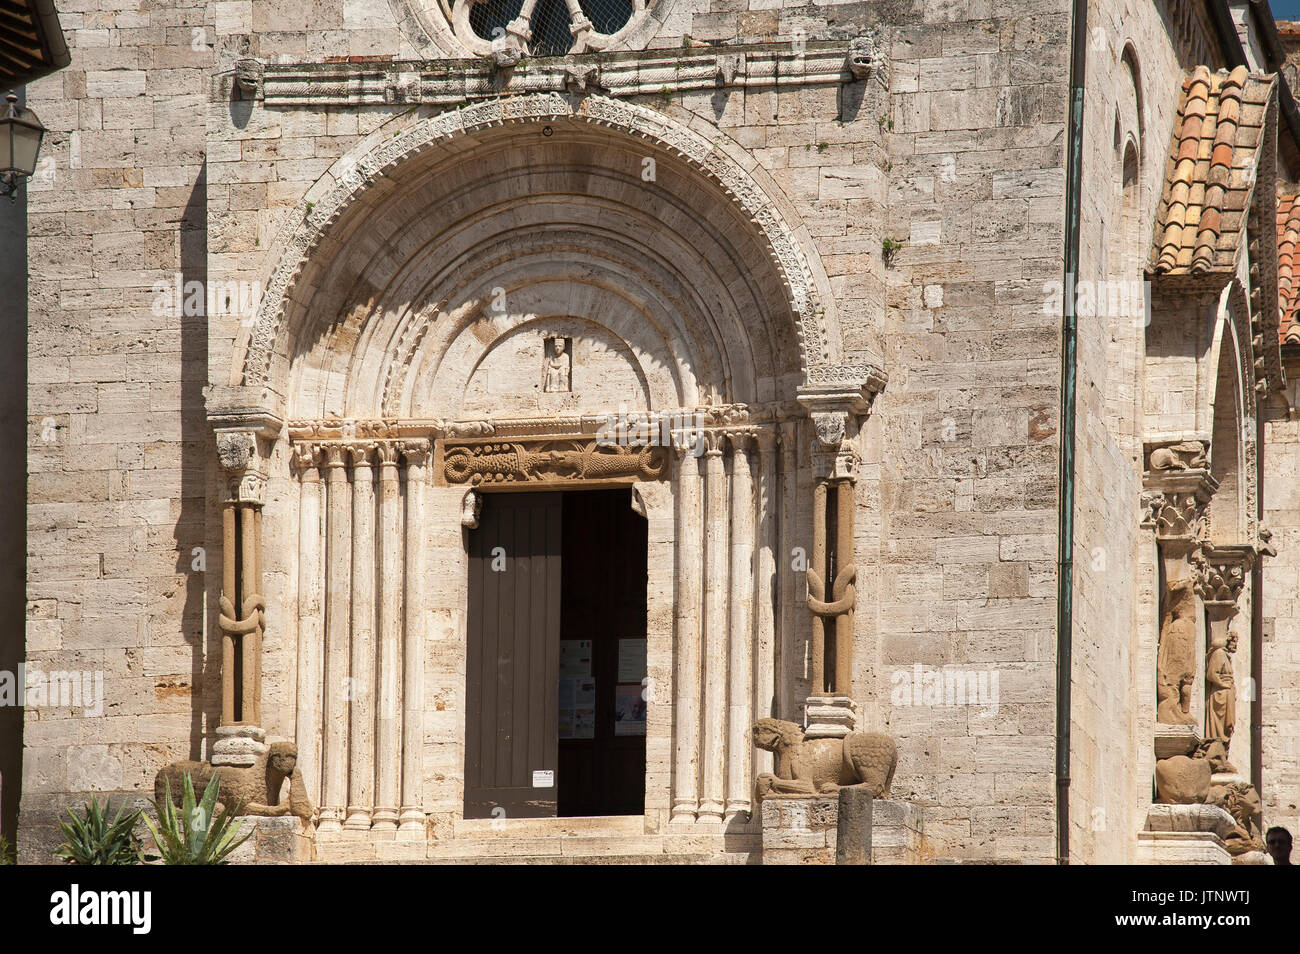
(1220, 690)
(559, 362)
(1175, 657)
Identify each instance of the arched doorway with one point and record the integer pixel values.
(584, 298)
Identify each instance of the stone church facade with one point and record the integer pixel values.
(345, 315)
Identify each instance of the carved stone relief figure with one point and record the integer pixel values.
(1220, 691)
(1175, 659)
(807, 766)
(558, 366)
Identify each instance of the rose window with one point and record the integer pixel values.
(542, 27)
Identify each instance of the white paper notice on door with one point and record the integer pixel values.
(543, 778)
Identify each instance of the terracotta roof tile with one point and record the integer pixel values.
(1209, 179)
(1288, 266)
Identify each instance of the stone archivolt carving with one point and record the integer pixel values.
(548, 461)
(816, 766)
(818, 333)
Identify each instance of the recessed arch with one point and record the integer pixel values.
(331, 273)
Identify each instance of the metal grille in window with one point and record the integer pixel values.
(554, 24)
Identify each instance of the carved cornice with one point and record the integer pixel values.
(647, 72)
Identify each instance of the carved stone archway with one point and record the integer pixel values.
(396, 361)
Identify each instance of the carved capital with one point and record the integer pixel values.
(307, 458)
(361, 452)
(416, 452)
(386, 454)
(1221, 576)
(335, 456)
(242, 458)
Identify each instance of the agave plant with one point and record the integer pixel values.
(194, 835)
(95, 839)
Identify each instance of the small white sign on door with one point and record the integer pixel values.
(544, 778)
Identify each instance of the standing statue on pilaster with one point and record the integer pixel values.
(1220, 690)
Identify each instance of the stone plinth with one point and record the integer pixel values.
(275, 841)
(1185, 835)
(803, 831)
(1174, 740)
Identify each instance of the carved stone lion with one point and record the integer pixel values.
(256, 788)
(817, 766)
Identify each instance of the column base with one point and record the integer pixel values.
(358, 820)
(385, 819)
(828, 717)
(410, 824)
(240, 745)
(329, 821)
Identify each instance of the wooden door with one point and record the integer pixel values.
(513, 657)
(602, 769)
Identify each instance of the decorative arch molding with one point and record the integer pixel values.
(708, 153)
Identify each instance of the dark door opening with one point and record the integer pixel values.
(602, 656)
(555, 667)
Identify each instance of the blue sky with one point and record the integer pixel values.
(1285, 9)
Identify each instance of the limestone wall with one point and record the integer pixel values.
(158, 171)
(1280, 687)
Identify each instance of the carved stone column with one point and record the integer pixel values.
(411, 819)
(1224, 571)
(242, 451)
(714, 723)
(387, 746)
(311, 576)
(831, 576)
(765, 658)
(338, 572)
(740, 636)
(788, 645)
(361, 686)
(686, 655)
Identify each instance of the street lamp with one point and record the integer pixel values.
(20, 141)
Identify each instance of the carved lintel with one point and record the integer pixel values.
(548, 461)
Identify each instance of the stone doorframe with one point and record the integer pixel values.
(798, 452)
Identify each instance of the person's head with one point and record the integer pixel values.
(1278, 841)
(557, 346)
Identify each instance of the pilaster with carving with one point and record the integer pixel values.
(244, 443)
